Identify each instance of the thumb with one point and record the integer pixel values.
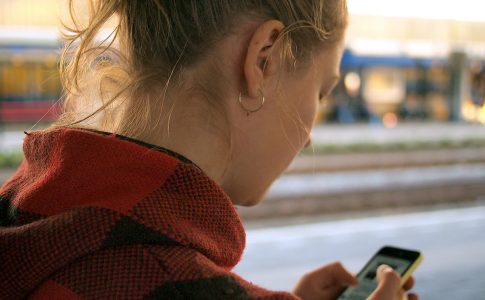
(388, 284)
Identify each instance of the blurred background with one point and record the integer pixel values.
(398, 153)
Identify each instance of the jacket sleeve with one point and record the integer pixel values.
(149, 272)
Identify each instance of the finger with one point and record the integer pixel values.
(341, 275)
(388, 284)
(413, 296)
(326, 282)
(409, 284)
(332, 274)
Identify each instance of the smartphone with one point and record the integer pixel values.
(403, 261)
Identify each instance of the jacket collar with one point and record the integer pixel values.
(91, 190)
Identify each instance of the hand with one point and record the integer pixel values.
(324, 283)
(388, 286)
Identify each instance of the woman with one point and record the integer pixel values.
(186, 109)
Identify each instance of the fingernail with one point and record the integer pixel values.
(385, 268)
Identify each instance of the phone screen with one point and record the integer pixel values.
(367, 277)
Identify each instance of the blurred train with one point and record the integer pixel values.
(386, 88)
(29, 77)
(390, 89)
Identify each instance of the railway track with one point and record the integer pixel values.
(342, 183)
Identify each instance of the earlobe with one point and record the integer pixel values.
(258, 62)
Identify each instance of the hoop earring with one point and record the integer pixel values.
(250, 111)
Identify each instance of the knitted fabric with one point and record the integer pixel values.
(93, 215)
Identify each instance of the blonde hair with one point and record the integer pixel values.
(112, 81)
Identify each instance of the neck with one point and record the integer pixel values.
(194, 136)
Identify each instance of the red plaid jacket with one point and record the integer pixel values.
(94, 215)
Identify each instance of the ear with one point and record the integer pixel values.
(258, 62)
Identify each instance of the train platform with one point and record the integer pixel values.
(11, 136)
(402, 133)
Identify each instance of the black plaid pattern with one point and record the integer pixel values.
(128, 232)
(42, 248)
(116, 273)
(220, 287)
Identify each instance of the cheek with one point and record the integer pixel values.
(308, 112)
(304, 112)
(308, 102)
